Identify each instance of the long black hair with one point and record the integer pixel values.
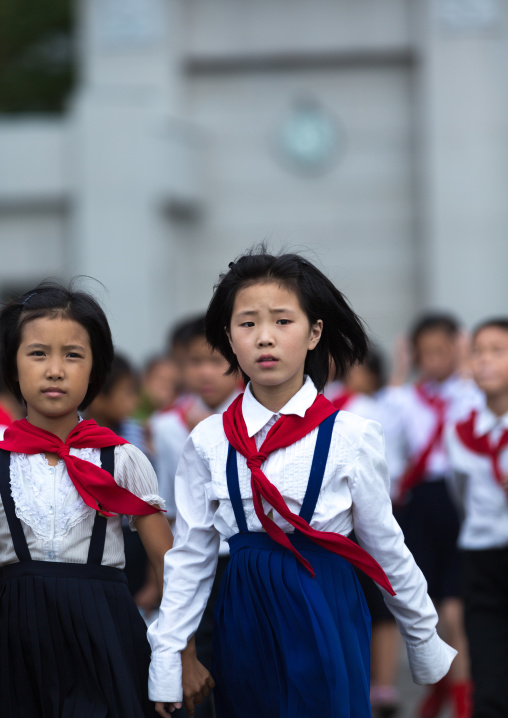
(52, 299)
(343, 340)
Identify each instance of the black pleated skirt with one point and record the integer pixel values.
(72, 643)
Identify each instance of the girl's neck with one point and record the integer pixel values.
(60, 426)
(498, 403)
(275, 397)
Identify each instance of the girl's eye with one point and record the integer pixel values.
(283, 321)
(37, 353)
(247, 324)
(74, 355)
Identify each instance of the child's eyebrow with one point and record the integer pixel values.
(251, 312)
(68, 347)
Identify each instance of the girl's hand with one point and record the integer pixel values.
(197, 682)
(165, 709)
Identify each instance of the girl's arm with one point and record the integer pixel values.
(188, 576)
(157, 538)
(378, 533)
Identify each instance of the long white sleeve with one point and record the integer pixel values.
(189, 570)
(379, 534)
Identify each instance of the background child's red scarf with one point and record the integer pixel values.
(97, 487)
(482, 444)
(415, 472)
(286, 431)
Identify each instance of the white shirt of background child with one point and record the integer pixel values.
(418, 419)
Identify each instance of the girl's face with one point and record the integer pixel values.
(54, 362)
(489, 360)
(271, 335)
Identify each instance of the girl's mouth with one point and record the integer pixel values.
(267, 361)
(53, 392)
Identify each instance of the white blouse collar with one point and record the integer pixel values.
(256, 415)
(486, 421)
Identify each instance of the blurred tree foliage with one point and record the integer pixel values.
(36, 55)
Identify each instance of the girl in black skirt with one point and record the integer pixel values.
(72, 642)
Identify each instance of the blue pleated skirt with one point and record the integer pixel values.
(287, 645)
(72, 643)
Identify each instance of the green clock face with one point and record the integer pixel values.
(309, 139)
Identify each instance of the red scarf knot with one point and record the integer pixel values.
(482, 444)
(256, 461)
(62, 452)
(97, 487)
(286, 431)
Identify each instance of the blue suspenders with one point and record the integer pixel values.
(317, 471)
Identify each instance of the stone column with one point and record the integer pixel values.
(121, 118)
(462, 121)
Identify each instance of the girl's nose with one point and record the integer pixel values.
(54, 369)
(265, 339)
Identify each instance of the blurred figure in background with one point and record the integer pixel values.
(360, 392)
(160, 383)
(114, 407)
(10, 408)
(479, 454)
(208, 390)
(429, 518)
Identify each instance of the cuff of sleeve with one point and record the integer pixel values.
(431, 660)
(151, 499)
(165, 677)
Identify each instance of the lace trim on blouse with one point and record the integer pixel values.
(29, 490)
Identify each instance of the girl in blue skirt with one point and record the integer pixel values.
(72, 642)
(285, 477)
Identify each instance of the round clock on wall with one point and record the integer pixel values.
(310, 139)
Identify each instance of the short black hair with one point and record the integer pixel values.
(186, 331)
(54, 299)
(436, 321)
(120, 368)
(493, 322)
(343, 339)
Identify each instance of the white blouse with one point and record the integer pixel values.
(56, 521)
(418, 420)
(354, 494)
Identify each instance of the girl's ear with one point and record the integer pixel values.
(228, 334)
(316, 331)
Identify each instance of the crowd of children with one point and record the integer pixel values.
(297, 476)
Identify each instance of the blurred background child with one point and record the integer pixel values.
(429, 519)
(479, 456)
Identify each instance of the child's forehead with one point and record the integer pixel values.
(491, 334)
(435, 335)
(266, 292)
(53, 328)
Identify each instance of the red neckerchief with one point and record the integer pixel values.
(343, 399)
(415, 472)
(482, 444)
(97, 487)
(287, 430)
(5, 417)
